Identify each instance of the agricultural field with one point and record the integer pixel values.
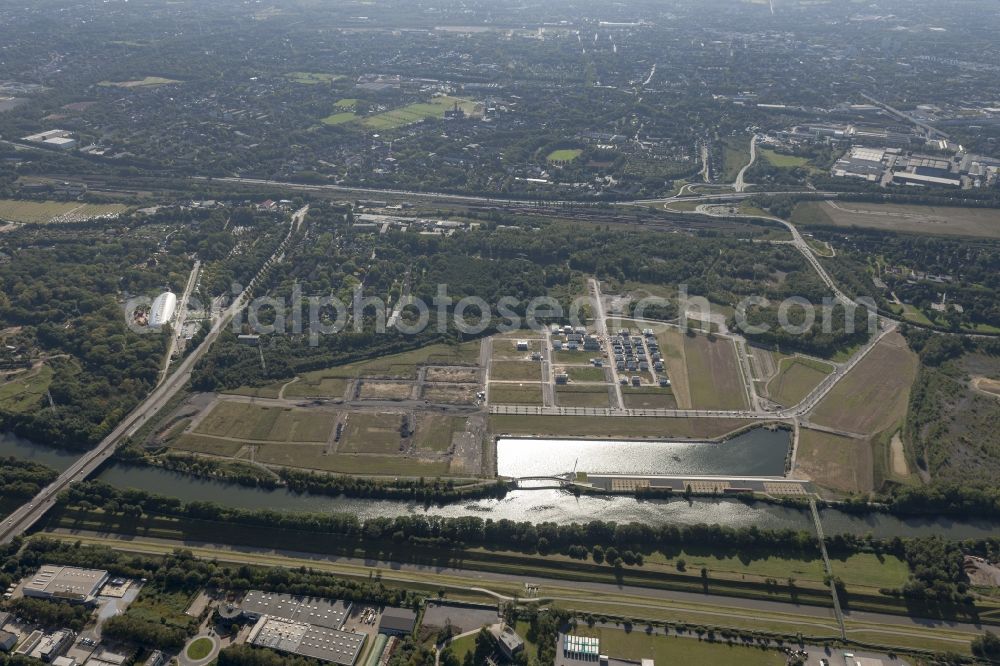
(874, 395)
(417, 112)
(842, 464)
(940, 221)
(713, 373)
(796, 377)
(51, 212)
(583, 396)
(564, 155)
(614, 427)
(25, 390)
(527, 393)
(139, 83)
(243, 421)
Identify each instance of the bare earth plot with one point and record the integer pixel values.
(948, 221)
(796, 378)
(526, 393)
(874, 395)
(516, 371)
(839, 463)
(451, 394)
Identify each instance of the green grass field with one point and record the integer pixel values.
(735, 156)
(783, 161)
(199, 649)
(208, 445)
(414, 113)
(713, 373)
(648, 397)
(371, 433)
(874, 394)
(26, 390)
(312, 457)
(564, 155)
(434, 431)
(251, 422)
(339, 118)
(527, 393)
(796, 377)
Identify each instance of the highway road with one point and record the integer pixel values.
(25, 517)
(740, 184)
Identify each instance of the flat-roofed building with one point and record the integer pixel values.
(397, 622)
(68, 583)
(307, 640)
(327, 613)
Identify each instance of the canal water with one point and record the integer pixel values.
(759, 452)
(537, 506)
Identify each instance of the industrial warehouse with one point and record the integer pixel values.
(307, 626)
(66, 583)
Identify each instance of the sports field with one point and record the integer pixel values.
(413, 113)
(796, 377)
(839, 463)
(564, 155)
(44, 212)
(937, 220)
